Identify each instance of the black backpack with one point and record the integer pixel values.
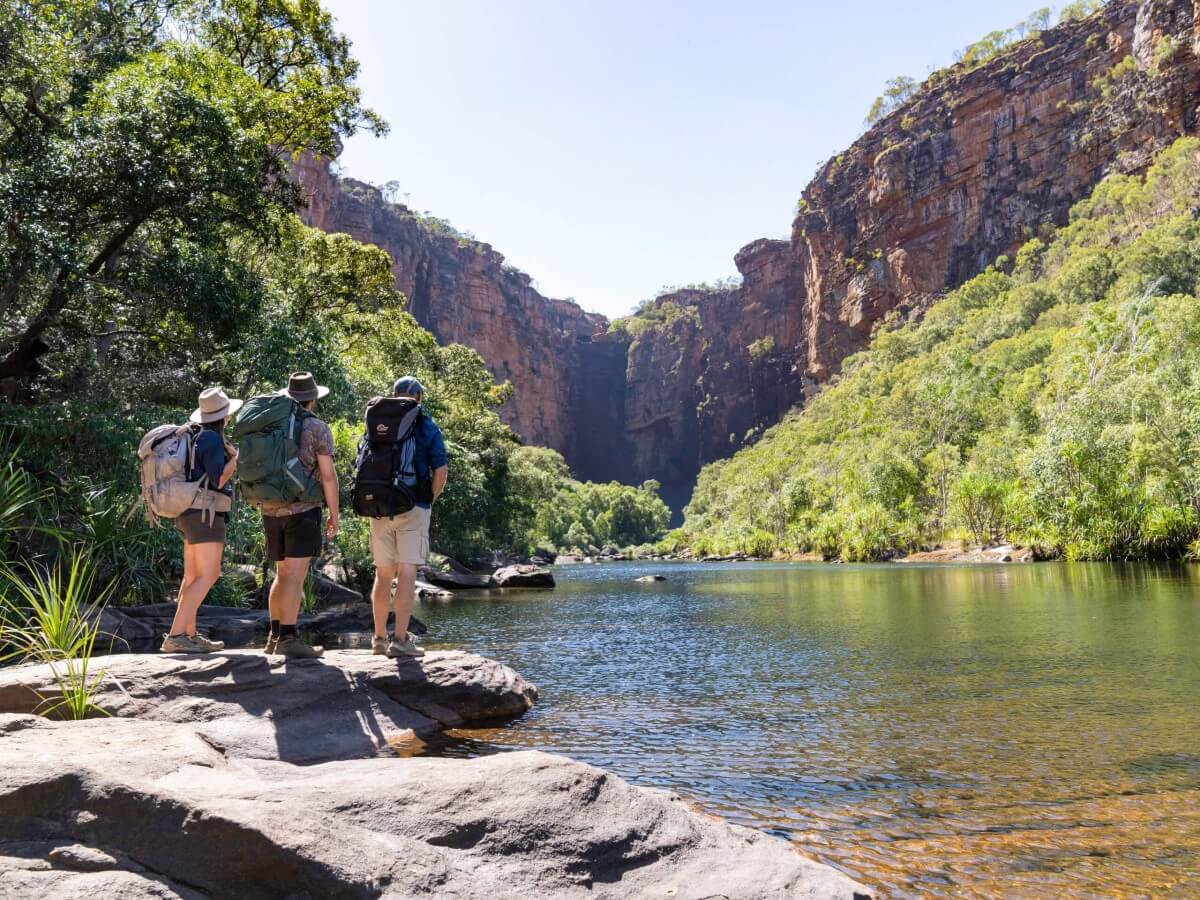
(385, 476)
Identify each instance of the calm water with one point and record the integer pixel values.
(1022, 730)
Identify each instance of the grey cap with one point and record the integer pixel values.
(407, 386)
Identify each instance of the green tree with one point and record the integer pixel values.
(895, 93)
(133, 159)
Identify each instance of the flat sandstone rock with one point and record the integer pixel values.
(348, 704)
(179, 817)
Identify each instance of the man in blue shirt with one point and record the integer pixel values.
(399, 544)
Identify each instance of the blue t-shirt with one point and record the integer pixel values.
(429, 452)
(209, 459)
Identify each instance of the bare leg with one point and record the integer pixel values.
(273, 596)
(288, 589)
(406, 574)
(381, 598)
(201, 569)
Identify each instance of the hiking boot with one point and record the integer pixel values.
(379, 646)
(298, 648)
(181, 643)
(210, 646)
(272, 641)
(398, 649)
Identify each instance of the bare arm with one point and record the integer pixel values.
(230, 465)
(329, 487)
(440, 475)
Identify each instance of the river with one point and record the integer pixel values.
(990, 730)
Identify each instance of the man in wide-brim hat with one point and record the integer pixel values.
(293, 530)
(303, 388)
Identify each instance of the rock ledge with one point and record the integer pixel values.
(236, 775)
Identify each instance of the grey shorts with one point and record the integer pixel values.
(194, 527)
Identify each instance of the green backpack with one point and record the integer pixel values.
(268, 435)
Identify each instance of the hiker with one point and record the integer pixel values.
(400, 472)
(284, 426)
(213, 462)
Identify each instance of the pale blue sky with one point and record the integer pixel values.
(611, 147)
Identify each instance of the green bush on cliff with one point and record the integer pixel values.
(899, 90)
(1053, 401)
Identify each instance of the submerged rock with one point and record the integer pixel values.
(650, 579)
(524, 576)
(182, 818)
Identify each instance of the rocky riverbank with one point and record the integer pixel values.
(239, 775)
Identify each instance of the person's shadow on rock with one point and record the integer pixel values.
(313, 711)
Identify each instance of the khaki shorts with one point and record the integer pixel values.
(401, 539)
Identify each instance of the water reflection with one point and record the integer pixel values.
(1025, 730)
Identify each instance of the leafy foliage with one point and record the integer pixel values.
(1052, 400)
(151, 248)
(897, 91)
(136, 161)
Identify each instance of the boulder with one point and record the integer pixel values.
(337, 572)
(650, 579)
(181, 818)
(523, 577)
(432, 591)
(567, 559)
(120, 631)
(329, 591)
(245, 575)
(455, 579)
(143, 626)
(347, 704)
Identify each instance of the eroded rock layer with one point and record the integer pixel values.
(977, 163)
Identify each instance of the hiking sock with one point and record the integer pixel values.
(287, 631)
(274, 628)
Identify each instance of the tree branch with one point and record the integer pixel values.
(28, 346)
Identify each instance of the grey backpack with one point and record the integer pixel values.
(166, 455)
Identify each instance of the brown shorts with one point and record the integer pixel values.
(195, 528)
(292, 537)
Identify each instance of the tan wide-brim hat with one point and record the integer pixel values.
(214, 406)
(302, 387)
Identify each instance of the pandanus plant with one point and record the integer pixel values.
(51, 614)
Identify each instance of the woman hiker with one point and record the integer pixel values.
(203, 529)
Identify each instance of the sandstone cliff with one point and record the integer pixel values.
(463, 292)
(970, 168)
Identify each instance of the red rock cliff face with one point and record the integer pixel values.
(462, 292)
(969, 169)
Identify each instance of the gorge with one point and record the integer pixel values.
(979, 160)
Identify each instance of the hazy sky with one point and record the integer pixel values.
(611, 147)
